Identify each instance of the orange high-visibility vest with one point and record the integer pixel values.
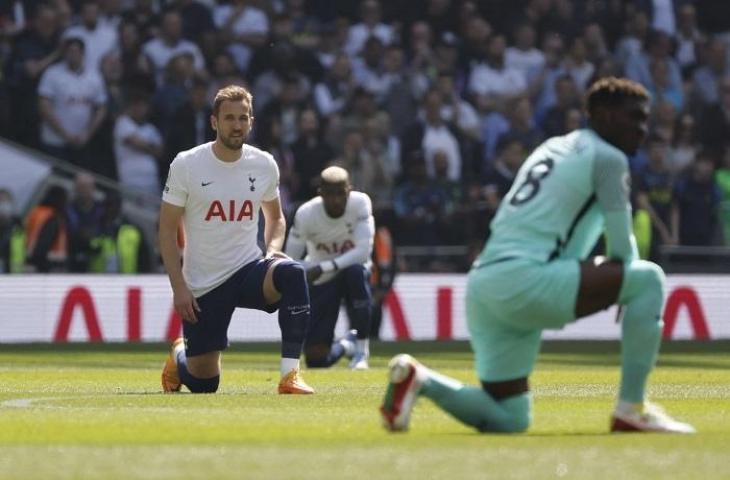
(33, 225)
(383, 252)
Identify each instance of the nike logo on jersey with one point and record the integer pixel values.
(205, 184)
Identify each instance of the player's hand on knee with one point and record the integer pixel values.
(277, 254)
(186, 305)
(313, 273)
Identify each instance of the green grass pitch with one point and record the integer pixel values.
(96, 411)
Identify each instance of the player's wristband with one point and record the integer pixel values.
(328, 266)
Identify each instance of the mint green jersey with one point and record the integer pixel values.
(566, 193)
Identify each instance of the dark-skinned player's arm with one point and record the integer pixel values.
(275, 227)
(183, 299)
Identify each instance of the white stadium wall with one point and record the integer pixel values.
(106, 308)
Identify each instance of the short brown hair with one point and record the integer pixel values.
(612, 92)
(232, 93)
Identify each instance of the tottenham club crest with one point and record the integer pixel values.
(251, 180)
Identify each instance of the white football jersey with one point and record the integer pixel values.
(222, 202)
(346, 240)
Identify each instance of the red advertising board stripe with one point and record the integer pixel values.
(78, 296)
(134, 322)
(396, 313)
(444, 310)
(685, 296)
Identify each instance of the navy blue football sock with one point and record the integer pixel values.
(195, 384)
(358, 294)
(294, 311)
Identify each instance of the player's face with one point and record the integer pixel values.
(334, 198)
(233, 123)
(630, 122)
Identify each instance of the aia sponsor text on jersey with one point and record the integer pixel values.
(237, 211)
(330, 248)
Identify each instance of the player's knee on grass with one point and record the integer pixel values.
(203, 385)
(317, 356)
(642, 278)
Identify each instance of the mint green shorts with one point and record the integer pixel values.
(509, 304)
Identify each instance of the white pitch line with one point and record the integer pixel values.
(28, 402)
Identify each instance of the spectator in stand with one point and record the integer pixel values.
(224, 73)
(421, 55)
(657, 47)
(715, 119)
(475, 34)
(99, 38)
(696, 198)
(371, 25)
(281, 57)
(367, 69)
(146, 17)
(34, 50)
(522, 125)
(12, 236)
(365, 156)
(307, 27)
(362, 108)
(595, 43)
(46, 239)
(399, 100)
(332, 94)
(664, 119)
(138, 146)
(577, 65)
(173, 94)
(83, 220)
(661, 88)
(722, 179)
(637, 32)
(542, 87)
(382, 150)
(72, 105)
(137, 69)
(431, 135)
(654, 187)
(169, 43)
(457, 111)
(110, 12)
(192, 122)
(119, 246)
(684, 146)
(244, 28)
(523, 56)
(419, 204)
(688, 38)
(197, 23)
(511, 153)
(567, 98)
(707, 78)
(311, 154)
(492, 82)
(285, 108)
(272, 142)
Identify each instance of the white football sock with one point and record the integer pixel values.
(362, 347)
(287, 365)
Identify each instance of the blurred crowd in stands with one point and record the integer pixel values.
(432, 105)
